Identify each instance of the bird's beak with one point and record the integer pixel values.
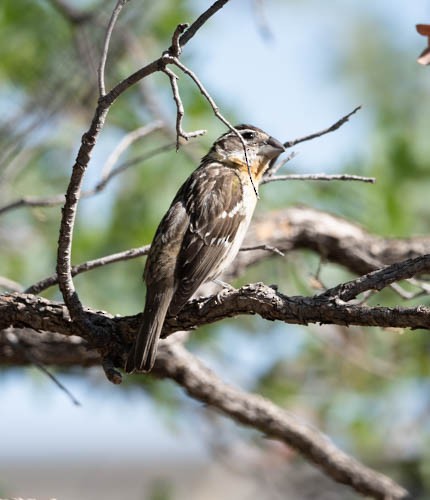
(272, 148)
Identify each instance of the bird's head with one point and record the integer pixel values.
(261, 148)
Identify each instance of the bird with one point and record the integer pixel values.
(202, 231)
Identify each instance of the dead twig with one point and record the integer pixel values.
(267, 248)
(133, 253)
(215, 108)
(15, 344)
(180, 132)
(58, 199)
(332, 128)
(317, 177)
(101, 69)
(125, 143)
(176, 363)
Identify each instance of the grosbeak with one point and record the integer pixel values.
(202, 231)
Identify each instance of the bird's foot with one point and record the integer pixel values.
(226, 288)
(224, 285)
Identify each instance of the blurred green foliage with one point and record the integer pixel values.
(347, 379)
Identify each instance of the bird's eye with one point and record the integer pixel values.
(248, 135)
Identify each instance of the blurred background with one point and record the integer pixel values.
(291, 68)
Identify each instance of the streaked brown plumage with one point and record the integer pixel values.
(201, 233)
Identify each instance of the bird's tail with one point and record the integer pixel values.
(144, 351)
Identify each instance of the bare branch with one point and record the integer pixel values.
(205, 93)
(317, 177)
(267, 248)
(33, 201)
(58, 199)
(176, 363)
(332, 128)
(335, 239)
(175, 49)
(179, 110)
(68, 218)
(18, 310)
(89, 265)
(52, 349)
(13, 341)
(200, 21)
(101, 70)
(126, 165)
(125, 143)
(381, 278)
(273, 306)
(276, 164)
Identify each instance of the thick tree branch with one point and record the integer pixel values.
(280, 232)
(173, 361)
(334, 238)
(21, 310)
(200, 383)
(176, 363)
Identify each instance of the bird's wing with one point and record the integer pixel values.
(214, 204)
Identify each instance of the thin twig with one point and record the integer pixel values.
(33, 201)
(180, 132)
(126, 165)
(101, 70)
(276, 164)
(58, 199)
(133, 253)
(125, 143)
(317, 177)
(267, 248)
(200, 21)
(175, 49)
(401, 292)
(396, 287)
(216, 111)
(422, 285)
(381, 278)
(15, 344)
(332, 128)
